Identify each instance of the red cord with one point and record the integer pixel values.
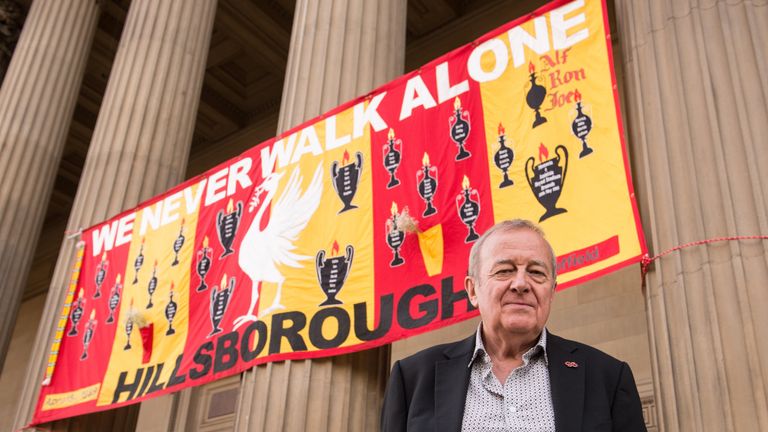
(646, 260)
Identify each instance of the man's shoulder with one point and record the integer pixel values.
(590, 353)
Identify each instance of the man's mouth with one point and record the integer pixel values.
(519, 304)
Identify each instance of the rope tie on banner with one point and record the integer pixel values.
(69, 234)
(646, 260)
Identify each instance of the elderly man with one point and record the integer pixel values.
(512, 375)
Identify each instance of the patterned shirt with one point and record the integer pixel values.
(522, 403)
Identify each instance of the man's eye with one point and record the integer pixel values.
(503, 272)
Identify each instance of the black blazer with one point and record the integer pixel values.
(426, 391)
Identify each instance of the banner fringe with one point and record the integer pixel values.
(64, 315)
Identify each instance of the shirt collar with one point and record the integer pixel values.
(541, 346)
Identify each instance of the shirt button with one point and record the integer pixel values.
(513, 409)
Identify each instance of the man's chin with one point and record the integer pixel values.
(519, 327)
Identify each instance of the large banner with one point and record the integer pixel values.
(353, 230)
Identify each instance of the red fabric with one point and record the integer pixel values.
(147, 336)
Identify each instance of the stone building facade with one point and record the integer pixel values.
(107, 103)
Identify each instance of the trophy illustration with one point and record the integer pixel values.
(581, 127)
(426, 178)
(138, 262)
(535, 96)
(76, 314)
(90, 327)
(392, 153)
(219, 303)
(129, 328)
(101, 273)
(503, 158)
(177, 244)
(546, 179)
(346, 179)
(395, 238)
(114, 299)
(170, 312)
(152, 285)
(203, 264)
(460, 129)
(227, 226)
(468, 208)
(332, 272)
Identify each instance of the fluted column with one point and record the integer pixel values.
(37, 101)
(697, 102)
(142, 136)
(339, 49)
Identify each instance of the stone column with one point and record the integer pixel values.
(697, 108)
(141, 141)
(339, 49)
(37, 101)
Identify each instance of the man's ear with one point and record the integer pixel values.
(469, 286)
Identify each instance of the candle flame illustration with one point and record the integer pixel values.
(577, 95)
(394, 208)
(224, 281)
(531, 68)
(103, 257)
(117, 279)
(345, 159)
(543, 152)
(391, 133)
(335, 248)
(93, 313)
(465, 183)
(457, 103)
(205, 241)
(425, 159)
(501, 129)
(80, 293)
(230, 206)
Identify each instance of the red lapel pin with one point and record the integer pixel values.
(571, 364)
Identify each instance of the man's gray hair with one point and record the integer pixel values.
(505, 226)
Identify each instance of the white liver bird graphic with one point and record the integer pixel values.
(263, 250)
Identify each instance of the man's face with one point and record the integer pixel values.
(514, 285)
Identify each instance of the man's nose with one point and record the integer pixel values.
(519, 283)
